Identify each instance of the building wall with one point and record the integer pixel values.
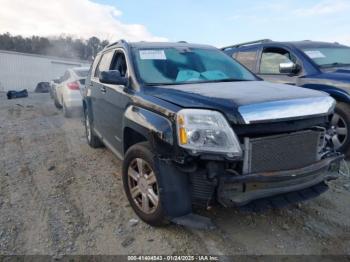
(23, 71)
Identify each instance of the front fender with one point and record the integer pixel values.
(339, 95)
(338, 91)
(157, 129)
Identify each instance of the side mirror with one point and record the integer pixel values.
(289, 68)
(112, 77)
(56, 80)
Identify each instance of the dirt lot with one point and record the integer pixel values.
(59, 196)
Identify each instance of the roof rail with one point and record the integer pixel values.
(115, 43)
(246, 43)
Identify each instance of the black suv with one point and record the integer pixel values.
(195, 128)
(316, 65)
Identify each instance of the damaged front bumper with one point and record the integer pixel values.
(239, 190)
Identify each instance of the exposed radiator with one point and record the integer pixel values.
(202, 189)
(282, 152)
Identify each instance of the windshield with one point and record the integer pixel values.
(329, 56)
(168, 66)
(81, 72)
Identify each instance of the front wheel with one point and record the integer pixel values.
(93, 140)
(140, 180)
(340, 124)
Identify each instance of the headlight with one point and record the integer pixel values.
(206, 131)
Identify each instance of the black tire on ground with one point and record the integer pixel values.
(343, 110)
(66, 112)
(92, 139)
(57, 104)
(142, 151)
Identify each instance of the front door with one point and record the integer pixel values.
(98, 93)
(269, 66)
(115, 101)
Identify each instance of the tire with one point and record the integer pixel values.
(340, 123)
(57, 104)
(66, 112)
(92, 139)
(143, 183)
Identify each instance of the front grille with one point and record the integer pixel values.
(282, 152)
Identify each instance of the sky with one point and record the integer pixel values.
(218, 23)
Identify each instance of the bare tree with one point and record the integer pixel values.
(62, 46)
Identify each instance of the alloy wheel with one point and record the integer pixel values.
(340, 131)
(143, 186)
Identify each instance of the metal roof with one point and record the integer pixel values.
(168, 45)
(310, 44)
(143, 44)
(298, 44)
(47, 57)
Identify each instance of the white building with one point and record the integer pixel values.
(23, 71)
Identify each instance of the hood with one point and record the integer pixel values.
(230, 97)
(336, 74)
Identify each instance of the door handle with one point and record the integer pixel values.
(103, 89)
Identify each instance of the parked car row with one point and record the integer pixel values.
(66, 91)
(315, 65)
(194, 127)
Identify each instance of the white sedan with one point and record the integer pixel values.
(68, 90)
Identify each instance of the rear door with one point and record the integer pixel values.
(269, 62)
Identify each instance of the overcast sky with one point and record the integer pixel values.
(212, 22)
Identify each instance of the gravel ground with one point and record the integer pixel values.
(59, 196)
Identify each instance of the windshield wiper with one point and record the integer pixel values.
(198, 82)
(227, 80)
(166, 84)
(334, 65)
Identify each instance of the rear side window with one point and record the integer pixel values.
(65, 77)
(105, 63)
(247, 58)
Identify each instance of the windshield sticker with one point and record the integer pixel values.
(152, 55)
(315, 54)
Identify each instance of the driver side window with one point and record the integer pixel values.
(272, 58)
(119, 63)
(104, 64)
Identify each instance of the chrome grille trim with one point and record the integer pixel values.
(287, 109)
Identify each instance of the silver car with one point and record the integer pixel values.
(68, 91)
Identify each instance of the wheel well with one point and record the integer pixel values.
(339, 97)
(132, 137)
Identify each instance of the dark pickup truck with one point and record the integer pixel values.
(315, 65)
(195, 128)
